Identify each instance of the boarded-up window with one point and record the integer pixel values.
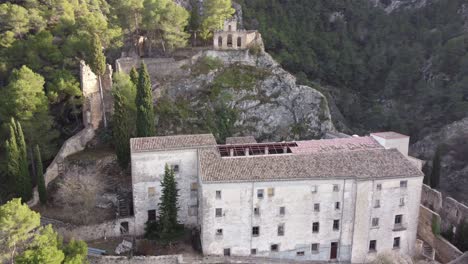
(271, 192)
(151, 192)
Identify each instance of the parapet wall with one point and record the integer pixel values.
(450, 210)
(157, 67)
(167, 259)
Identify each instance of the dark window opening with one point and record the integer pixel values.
(281, 230)
(336, 224)
(220, 41)
(282, 210)
(274, 247)
(219, 232)
(255, 231)
(239, 42)
(151, 215)
(253, 251)
(315, 227)
(124, 228)
(256, 211)
(373, 245)
(300, 253)
(227, 252)
(314, 248)
(229, 41)
(255, 149)
(398, 219)
(337, 206)
(219, 212)
(396, 242)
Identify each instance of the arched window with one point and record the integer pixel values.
(239, 42)
(220, 41)
(229, 41)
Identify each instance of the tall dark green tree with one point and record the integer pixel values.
(17, 162)
(145, 124)
(435, 173)
(461, 236)
(41, 187)
(168, 204)
(121, 130)
(134, 75)
(97, 62)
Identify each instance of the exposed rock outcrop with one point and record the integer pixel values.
(453, 143)
(240, 93)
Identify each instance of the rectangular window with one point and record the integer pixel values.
(336, 224)
(336, 187)
(315, 248)
(315, 227)
(375, 221)
(377, 203)
(282, 210)
(218, 194)
(396, 242)
(219, 212)
(253, 251)
(300, 253)
(175, 168)
(281, 230)
(274, 248)
(151, 215)
(402, 201)
(403, 184)
(255, 231)
(219, 232)
(317, 207)
(227, 252)
(337, 206)
(194, 187)
(373, 245)
(151, 192)
(271, 192)
(256, 211)
(398, 219)
(314, 188)
(260, 193)
(379, 187)
(124, 228)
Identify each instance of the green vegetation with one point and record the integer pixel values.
(461, 236)
(145, 123)
(97, 63)
(435, 225)
(206, 64)
(41, 187)
(166, 228)
(411, 63)
(435, 174)
(215, 12)
(24, 241)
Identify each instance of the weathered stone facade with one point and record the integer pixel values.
(231, 38)
(93, 105)
(305, 215)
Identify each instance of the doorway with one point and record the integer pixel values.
(334, 250)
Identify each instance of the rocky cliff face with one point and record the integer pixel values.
(240, 93)
(452, 141)
(392, 5)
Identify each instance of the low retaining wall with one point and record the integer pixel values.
(72, 145)
(167, 259)
(445, 251)
(98, 231)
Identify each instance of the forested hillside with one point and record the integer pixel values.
(405, 71)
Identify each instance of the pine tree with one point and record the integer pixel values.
(97, 63)
(41, 187)
(145, 124)
(121, 130)
(134, 75)
(435, 173)
(215, 13)
(168, 204)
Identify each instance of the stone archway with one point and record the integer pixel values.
(229, 41)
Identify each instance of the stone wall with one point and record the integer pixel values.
(92, 108)
(167, 259)
(72, 145)
(445, 251)
(98, 231)
(450, 210)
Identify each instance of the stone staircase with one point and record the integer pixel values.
(428, 251)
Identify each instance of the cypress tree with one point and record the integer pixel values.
(168, 204)
(97, 63)
(121, 130)
(24, 184)
(435, 174)
(40, 175)
(145, 125)
(12, 157)
(134, 76)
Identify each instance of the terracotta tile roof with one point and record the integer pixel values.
(389, 135)
(240, 140)
(171, 142)
(336, 144)
(370, 163)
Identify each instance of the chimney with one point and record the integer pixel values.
(266, 150)
(393, 140)
(231, 152)
(246, 151)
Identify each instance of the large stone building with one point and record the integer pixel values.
(231, 38)
(344, 198)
